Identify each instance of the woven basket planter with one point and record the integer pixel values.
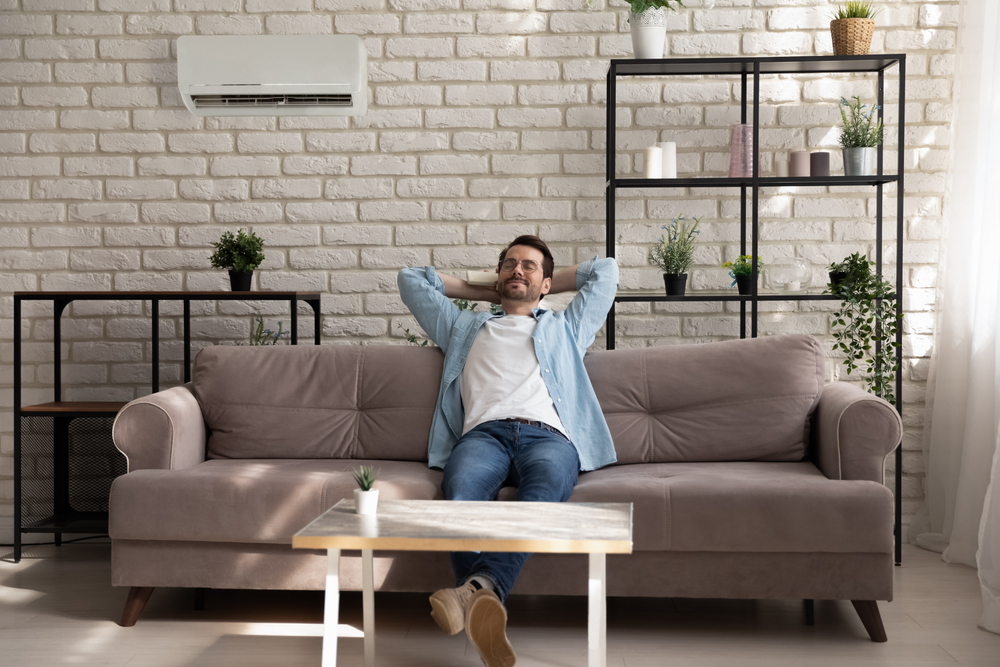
(852, 37)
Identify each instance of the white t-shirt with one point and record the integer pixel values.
(502, 378)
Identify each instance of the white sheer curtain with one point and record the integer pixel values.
(961, 514)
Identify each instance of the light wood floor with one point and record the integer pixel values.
(57, 608)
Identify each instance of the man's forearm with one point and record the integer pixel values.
(456, 288)
(564, 280)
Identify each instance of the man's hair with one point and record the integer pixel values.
(548, 264)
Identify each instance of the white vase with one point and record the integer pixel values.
(649, 33)
(365, 502)
(859, 161)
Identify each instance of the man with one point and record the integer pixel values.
(515, 407)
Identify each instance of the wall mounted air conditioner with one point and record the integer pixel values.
(273, 75)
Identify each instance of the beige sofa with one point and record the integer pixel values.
(749, 478)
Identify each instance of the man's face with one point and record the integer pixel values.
(520, 285)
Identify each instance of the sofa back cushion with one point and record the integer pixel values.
(741, 400)
(329, 401)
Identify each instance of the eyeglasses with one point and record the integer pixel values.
(528, 265)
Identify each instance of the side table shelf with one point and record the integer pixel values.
(64, 458)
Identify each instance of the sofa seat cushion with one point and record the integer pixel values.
(250, 501)
(744, 507)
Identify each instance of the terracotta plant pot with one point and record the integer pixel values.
(675, 283)
(852, 37)
(240, 282)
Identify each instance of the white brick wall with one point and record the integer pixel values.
(486, 120)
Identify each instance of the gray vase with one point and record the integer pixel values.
(859, 161)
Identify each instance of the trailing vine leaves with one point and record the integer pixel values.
(462, 304)
(865, 326)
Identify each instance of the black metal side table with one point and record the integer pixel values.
(64, 459)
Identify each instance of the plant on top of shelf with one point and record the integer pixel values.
(241, 254)
(674, 253)
(860, 137)
(648, 25)
(852, 28)
(741, 271)
(866, 323)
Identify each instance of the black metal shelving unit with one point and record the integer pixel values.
(64, 460)
(750, 71)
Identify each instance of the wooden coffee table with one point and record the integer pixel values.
(442, 525)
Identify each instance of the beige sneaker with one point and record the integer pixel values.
(486, 627)
(448, 607)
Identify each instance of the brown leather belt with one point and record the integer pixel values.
(528, 422)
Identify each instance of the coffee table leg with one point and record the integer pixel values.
(331, 608)
(368, 602)
(597, 613)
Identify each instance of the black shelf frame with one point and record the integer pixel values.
(65, 519)
(750, 71)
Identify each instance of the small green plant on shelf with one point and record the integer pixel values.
(674, 252)
(461, 304)
(856, 9)
(262, 336)
(743, 266)
(866, 323)
(639, 6)
(862, 129)
(240, 253)
(365, 476)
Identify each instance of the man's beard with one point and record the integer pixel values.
(531, 293)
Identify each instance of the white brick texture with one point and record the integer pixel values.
(486, 120)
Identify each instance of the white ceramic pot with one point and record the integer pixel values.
(649, 33)
(859, 161)
(365, 502)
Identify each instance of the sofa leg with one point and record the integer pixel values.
(871, 619)
(137, 598)
(807, 606)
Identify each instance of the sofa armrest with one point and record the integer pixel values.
(164, 431)
(855, 432)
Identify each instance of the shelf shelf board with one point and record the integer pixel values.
(764, 182)
(70, 522)
(724, 295)
(65, 408)
(179, 295)
(780, 65)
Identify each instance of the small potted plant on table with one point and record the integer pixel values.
(860, 137)
(674, 253)
(852, 28)
(648, 25)
(741, 271)
(365, 497)
(241, 254)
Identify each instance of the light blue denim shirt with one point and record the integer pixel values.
(561, 340)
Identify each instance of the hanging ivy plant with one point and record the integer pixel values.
(865, 325)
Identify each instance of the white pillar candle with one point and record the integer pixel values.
(781, 168)
(793, 286)
(653, 162)
(799, 163)
(669, 149)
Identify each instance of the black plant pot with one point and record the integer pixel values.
(744, 284)
(240, 281)
(837, 278)
(675, 283)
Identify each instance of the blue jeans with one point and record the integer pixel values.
(542, 465)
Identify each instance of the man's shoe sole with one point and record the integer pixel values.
(447, 614)
(486, 627)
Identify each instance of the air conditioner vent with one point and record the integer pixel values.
(260, 101)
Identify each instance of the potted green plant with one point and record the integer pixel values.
(741, 271)
(674, 253)
(261, 336)
(648, 25)
(866, 323)
(365, 497)
(241, 254)
(852, 28)
(860, 136)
